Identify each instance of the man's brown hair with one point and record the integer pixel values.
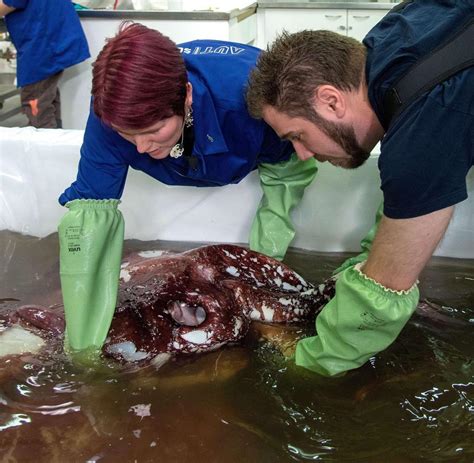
(294, 65)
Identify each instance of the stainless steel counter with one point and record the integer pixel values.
(239, 13)
(315, 4)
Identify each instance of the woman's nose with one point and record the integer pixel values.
(142, 144)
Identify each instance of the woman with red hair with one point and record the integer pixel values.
(178, 114)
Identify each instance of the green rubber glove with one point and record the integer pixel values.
(362, 319)
(365, 244)
(283, 185)
(90, 238)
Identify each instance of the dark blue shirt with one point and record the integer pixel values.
(48, 38)
(228, 143)
(429, 149)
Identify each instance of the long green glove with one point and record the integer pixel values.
(91, 238)
(365, 244)
(362, 319)
(283, 185)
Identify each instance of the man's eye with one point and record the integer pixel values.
(296, 137)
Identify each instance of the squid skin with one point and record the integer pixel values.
(190, 302)
(196, 301)
(202, 299)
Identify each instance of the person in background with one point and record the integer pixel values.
(48, 38)
(332, 97)
(178, 114)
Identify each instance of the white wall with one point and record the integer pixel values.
(336, 212)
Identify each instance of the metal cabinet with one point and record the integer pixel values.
(352, 22)
(275, 20)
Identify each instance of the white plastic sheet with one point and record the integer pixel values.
(336, 212)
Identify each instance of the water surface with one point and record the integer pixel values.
(414, 402)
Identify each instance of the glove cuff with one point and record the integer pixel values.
(81, 204)
(378, 286)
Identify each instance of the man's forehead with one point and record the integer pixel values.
(283, 124)
(270, 111)
(274, 116)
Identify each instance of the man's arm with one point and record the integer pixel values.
(402, 247)
(4, 9)
(373, 302)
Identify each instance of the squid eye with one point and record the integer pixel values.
(185, 314)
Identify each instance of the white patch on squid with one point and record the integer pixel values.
(284, 301)
(232, 271)
(125, 275)
(125, 264)
(196, 337)
(308, 292)
(16, 341)
(268, 313)
(237, 326)
(151, 254)
(279, 270)
(255, 314)
(128, 351)
(206, 272)
(289, 287)
(228, 254)
(277, 281)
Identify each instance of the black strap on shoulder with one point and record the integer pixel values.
(454, 55)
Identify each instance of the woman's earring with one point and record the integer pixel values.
(188, 118)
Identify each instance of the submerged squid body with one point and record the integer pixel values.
(201, 299)
(189, 302)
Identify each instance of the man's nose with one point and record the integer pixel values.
(301, 151)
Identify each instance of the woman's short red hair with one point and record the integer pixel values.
(139, 78)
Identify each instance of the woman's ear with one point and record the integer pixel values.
(189, 95)
(330, 102)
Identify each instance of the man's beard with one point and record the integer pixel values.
(345, 137)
